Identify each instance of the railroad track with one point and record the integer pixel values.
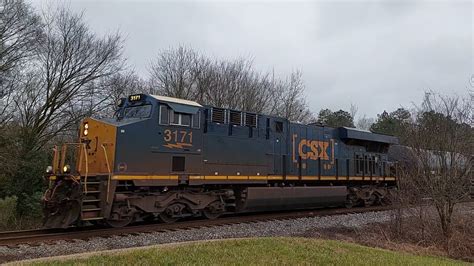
(50, 236)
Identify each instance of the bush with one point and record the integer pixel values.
(31, 206)
(8, 211)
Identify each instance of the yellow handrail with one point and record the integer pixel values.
(110, 173)
(87, 167)
(55, 159)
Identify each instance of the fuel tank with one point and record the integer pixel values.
(288, 198)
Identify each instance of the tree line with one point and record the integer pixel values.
(54, 71)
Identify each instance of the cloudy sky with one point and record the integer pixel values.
(378, 55)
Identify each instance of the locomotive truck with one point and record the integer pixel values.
(166, 158)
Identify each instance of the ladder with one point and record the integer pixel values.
(93, 188)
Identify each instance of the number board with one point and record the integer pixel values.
(135, 98)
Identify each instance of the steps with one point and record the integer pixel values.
(92, 202)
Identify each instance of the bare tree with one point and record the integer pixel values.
(289, 99)
(69, 58)
(115, 87)
(365, 122)
(353, 110)
(175, 72)
(20, 28)
(440, 147)
(234, 84)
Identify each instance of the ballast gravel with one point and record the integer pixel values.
(293, 227)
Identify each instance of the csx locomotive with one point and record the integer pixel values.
(166, 158)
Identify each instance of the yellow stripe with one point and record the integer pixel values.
(145, 177)
(328, 178)
(275, 177)
(258, 177)
(240, 177)
(213, 177)
(53, 177)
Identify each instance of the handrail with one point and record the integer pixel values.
(110, 173)
(87, 167)
(59, 159)
(63, 157)
(55, 159)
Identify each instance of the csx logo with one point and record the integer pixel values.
(313, 149)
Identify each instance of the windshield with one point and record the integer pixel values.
(142, 111)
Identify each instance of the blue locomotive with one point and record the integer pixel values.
(167, 158)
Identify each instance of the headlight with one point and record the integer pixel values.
(66, 169)
(49, 169)
(86, 129)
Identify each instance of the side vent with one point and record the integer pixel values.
(235, 118)
(218, 115)
(250, 120)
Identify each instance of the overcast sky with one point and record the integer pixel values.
(378, 55)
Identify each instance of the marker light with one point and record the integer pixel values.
(49, 169)
(66, 169)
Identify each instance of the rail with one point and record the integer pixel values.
(52, 235)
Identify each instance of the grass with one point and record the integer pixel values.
(257, 251)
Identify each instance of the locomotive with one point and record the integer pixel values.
(166, 158)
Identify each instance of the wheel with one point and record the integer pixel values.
(371, 200)
(126, 220)
(172, 213)
(348, 203)
(213, 210)
(120, 223)
(351, 201)
(167, 218)
(123, 216)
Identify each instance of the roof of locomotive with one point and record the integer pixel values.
(175, 100)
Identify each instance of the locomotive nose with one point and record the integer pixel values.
(99, 152)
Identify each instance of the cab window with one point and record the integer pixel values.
(164, 115)
(141, 111)
(180, 119)
(170, 117)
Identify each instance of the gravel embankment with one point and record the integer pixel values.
(259, 229)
